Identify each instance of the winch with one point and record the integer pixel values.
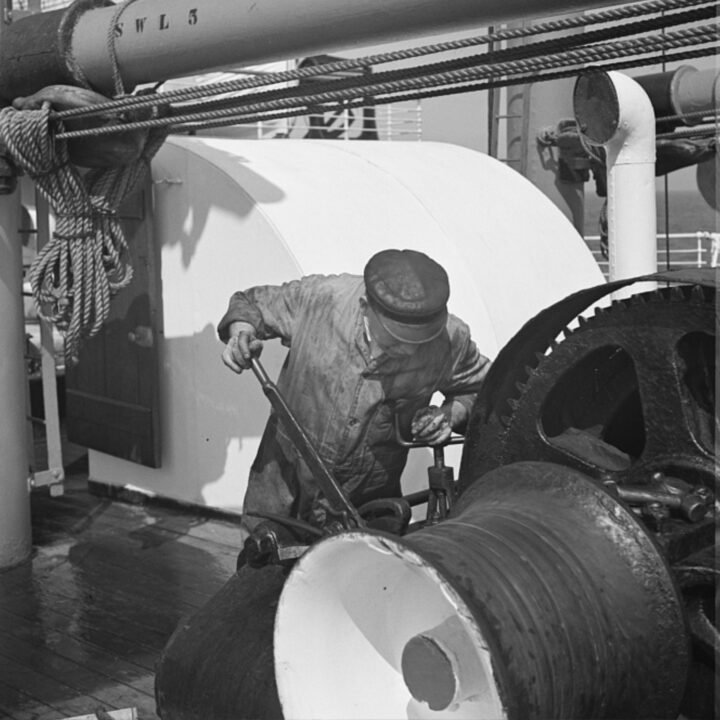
(572, 573)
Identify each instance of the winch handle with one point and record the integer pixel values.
(454, 439)
(341, 506)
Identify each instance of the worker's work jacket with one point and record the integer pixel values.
(344, 398)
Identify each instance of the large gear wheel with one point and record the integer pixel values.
(628, 398)
(629, 393)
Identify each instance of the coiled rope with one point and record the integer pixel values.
(86, 260)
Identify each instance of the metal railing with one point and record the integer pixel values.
(388, 122)
(676, 250)
(43, 356)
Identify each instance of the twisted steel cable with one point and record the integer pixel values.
(655, 43)
(535, 50)
(696, 133)
(152, 100)
(697, 114)
(424, 94)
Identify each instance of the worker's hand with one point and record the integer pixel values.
(431, 425)
(242, 346)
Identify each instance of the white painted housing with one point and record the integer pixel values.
(632, 223)
(346, 615)
(231, 213)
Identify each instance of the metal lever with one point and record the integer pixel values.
(441, 480)
(442, 488)
(332, 491)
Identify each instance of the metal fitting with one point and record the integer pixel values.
(693, 507)
(705, 493)
(8, 174)
(656, 515)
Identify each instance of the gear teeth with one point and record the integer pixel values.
(676, 293)
(505, 421)
(530, 370)
(513, 403)
(567, 332)
(582, 320)
(520, 386)
(697, 292)
(617, 306)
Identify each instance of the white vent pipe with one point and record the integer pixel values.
(632, 221)
(614, 111)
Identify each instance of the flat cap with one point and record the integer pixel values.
(408, 292)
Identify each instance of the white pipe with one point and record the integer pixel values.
(15, 529)
(632, 223)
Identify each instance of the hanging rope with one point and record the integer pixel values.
(86, 260)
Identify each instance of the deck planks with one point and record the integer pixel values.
(82, 624)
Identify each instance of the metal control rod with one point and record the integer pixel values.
(307, 450)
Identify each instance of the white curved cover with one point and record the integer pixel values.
(234, 213)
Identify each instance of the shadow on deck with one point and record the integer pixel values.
(83, 622)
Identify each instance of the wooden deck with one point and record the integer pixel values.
(83, 623)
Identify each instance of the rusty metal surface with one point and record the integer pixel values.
(218, 665)
(538, 334)
(578, 606)
(30, 56)
(628, 398)
(636, 380)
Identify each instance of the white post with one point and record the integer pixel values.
(15, 531)
(714, 249)
(632, 223)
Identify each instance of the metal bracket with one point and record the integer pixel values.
(53, 479)
(441, 480)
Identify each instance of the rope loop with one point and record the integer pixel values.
(87, 259)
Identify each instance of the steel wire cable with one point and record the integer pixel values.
(700, 114)
(701, 133)
(582, 55)
(597, 53)
(425, 94)
(150, 100)
(541, 49)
